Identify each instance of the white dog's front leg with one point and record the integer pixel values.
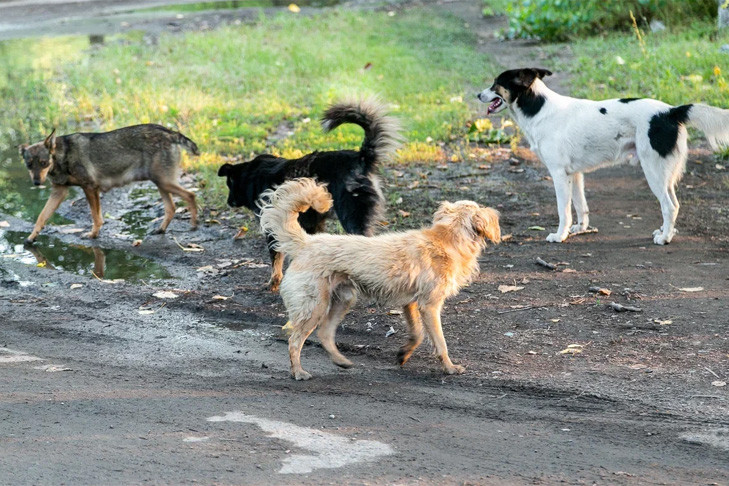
(563, 190)
(578, 199)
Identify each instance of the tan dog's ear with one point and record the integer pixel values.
(22, 147)
(50, 142)
(486, 223)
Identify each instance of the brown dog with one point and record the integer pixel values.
(101, 161)
(416, 269)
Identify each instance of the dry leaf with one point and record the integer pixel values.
(165, 294)
(241, 232)
(572, 349)
(294, 8)
(663, 323)
(718, 383)
(41, 264)
(76, 286)
(536, 228)
(70, 231)
(404, 214)
(394, 312)
(509, 288)
(691, 289)
(4, 224)
(136, 242)
(220, 297)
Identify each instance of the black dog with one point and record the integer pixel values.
(350, 175)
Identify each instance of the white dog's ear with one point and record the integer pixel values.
(486, 224)
(526, 77)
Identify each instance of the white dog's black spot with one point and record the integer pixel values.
(663, 128)
(628, 100)
(603, 110)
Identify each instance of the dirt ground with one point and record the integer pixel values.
(643, 392)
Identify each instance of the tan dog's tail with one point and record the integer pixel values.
(280, 210)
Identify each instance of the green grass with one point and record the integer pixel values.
(230, 88)
(675, 67)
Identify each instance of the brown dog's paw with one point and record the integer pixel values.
(300, 375)
(90, 235)
(29, 241)
(454, 369)
(273, 285)
(158, 231)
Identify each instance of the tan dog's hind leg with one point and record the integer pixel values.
(58, 194)
(341, 303)
(92, 196)
(302, 330)
(415, 330)
(169, 210)
(431, 318)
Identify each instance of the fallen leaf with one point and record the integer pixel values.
(390, 332)
(413, 184)
(76, 286)
(4, 224)
(367, 66)
(136, 242)
(404, 214)
(41, 264)
(572, 349)
(241, 232)
(146, 311)
(691, 289)
(394, 312)
(718, 383)
(165, 294)
(569, 270)
(220, 297)
(70, 231)
(509, 288)
(664, 322)
(294, 8)
(537, 228)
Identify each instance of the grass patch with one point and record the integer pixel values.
(229, 89)
(675, 67)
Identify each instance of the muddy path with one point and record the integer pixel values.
(559, 387)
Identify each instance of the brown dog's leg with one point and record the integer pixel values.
(99, 262)
(188, 196)
(169, 210)
(58, 194)
(92, 196)
(277, 262)
(341, 303)
(431, 318)
(415, 330)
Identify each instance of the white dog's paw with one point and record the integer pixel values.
(657, 232)
(659, 239)
(578, 228)
(556, 238)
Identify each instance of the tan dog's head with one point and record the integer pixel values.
(466, 216)
(38, 158)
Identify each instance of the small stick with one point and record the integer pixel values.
(550, 266)
(710, 371)
(623, 308)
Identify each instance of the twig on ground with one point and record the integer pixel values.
(550, 266)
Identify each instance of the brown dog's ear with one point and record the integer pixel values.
(224, 170)
(486, 224)
(50, 142)
(22, 147)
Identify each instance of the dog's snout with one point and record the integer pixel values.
(478, 96)
(36, 182)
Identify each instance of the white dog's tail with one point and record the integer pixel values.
(714, 122)
(280, 210)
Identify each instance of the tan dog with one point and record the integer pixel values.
(416, 269)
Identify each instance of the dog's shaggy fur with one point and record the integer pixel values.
(416, 269)
(350, 175)
(573, 136)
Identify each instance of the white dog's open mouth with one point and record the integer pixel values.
(494, 105)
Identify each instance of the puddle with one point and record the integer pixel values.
(79, 259)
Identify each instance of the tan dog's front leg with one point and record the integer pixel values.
(58, 194)
(415, 333)
(431, 318)
(92, 196)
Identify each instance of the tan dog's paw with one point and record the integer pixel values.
(299, 375)
(454, 369)
(90, 235)
(342, 362)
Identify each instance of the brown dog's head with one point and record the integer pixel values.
(38, 158)
(509, 86)
(477, 222)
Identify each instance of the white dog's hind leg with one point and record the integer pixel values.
(669, 210)
(341, 303)
(578, 199)
(563, 190)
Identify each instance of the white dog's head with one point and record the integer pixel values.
(508, 86)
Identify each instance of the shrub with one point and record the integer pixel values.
(559, 20)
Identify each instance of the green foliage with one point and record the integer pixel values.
(483, 131)
(677, 68)
(559, 20)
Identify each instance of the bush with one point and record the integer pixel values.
(559, 20)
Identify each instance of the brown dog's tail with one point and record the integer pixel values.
(280, 210)
(382, 132)
(189, 145)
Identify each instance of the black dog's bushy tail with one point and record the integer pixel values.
(382, 132)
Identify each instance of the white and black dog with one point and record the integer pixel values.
(572, 136)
